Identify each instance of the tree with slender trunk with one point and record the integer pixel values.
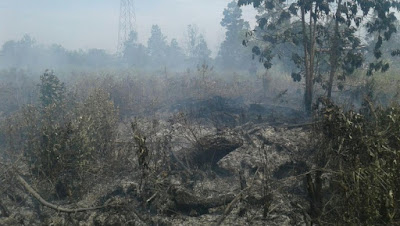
(322, 29)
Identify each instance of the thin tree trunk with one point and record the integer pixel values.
(308, 89)
(334, 52)
(310, 60)
(265, 83)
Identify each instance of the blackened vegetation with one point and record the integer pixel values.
(356, 179)
(290, 169)
(80, 163)
(194, 205)
(211, 149)
(228, 112)
(223, 111)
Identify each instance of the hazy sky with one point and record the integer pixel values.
(83, 24)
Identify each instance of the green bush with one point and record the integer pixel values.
(62, 140)
(95, 125)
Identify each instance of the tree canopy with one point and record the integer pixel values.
(231, 52)
(324, 30)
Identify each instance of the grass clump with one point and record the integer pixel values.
(358, 159)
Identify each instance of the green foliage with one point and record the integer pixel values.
(359, 154)
(95, 126)
(231, 53)
(323, 36)
(63, 144)
(52, 91)
(52, 128)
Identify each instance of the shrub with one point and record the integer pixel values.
(95, 126)
(60, 139)
(359, 155)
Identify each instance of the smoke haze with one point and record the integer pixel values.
(86, 24)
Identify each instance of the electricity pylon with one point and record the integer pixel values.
(127, 19)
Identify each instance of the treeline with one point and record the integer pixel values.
(157, 54)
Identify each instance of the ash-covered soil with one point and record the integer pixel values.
(228, 163)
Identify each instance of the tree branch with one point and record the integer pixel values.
(50, 205)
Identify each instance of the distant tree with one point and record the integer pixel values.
(98, 58)
(57, 55)
(157, 46)
(26, 54)
(231, 53)
(77, 57)
(175, 54)
(20, 53)
(192, 37)
(197, 48)
(52, 91)
(52, 97)
(202, 53)
(134, 53)
(307, 26)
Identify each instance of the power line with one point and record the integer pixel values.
(127, 20)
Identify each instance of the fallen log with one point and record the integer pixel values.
(50, 205)
(67, 210)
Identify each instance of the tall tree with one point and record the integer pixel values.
(52, 91)
(306, 27)
(157, 46)
(196, 46)
(192, 36)
(97, 58)
(175, 54)
(19, 54)
(134, 52)
(231, 52)
(202, 53)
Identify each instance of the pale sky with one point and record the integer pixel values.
(84, 24)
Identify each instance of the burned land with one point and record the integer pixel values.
(294, 119)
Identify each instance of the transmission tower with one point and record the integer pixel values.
(127, 19)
